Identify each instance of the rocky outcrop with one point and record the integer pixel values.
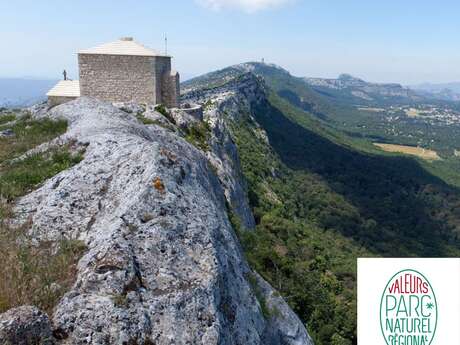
(163, 264)
(225, 104)
(224, 158)
(362, 89)
(284, 326)
(222, 152)
(25, 325)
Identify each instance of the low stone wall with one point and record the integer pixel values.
(194, 110)
(56, 100)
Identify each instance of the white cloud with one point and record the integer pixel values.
(249, 6)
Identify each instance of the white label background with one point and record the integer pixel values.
(444, 276)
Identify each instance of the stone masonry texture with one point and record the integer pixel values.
(56, 100)
(123, 78)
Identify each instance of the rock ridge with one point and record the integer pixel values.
(163, 264)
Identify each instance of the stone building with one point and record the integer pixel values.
(63, 91)
(122, 71)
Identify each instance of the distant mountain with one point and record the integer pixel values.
(445, 91)
(16, 92)
(454, 87)
(272, 151)
(349, 89)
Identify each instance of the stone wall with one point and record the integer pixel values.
(171, 89)
(123, 78)
(161, 66)
(193, 110)
(118, 78)
(56, 100)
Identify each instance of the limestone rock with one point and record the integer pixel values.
(224, 157)
(130, 107)
(25, 325)
(182, 119)
(194, 110)
(163, 264)
(39, 109)
(223, 105)
(284, 325)
(6, 133)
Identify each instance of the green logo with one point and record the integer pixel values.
(408, 310)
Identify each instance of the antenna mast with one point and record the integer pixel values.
(166, 44)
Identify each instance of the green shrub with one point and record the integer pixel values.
(314, 269)
(163, 111)
(145, 120)
(120, 301)
(5, 118)
(337, 339)
(198, 134)
(20, 176)
(209, 103)
(36, 274)
(29, 133)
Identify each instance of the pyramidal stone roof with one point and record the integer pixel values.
(65, 88)
(122, 46)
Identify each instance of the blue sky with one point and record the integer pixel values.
(405, 41)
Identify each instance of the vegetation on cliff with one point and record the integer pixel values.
(32, 274)
(321, 199)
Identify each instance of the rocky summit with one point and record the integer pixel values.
(163, 264)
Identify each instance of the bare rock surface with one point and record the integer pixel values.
(284, 326)
(182, 119)
(25, 325)
(223, 105)
(224, 157)
(163, 264)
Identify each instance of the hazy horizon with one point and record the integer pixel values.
(378, 42)
(188, 77)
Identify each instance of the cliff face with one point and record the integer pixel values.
(364, 90)
(223, 105)
(163, 264)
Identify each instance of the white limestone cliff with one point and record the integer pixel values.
(163, 264)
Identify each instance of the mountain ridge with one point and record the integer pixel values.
(267, 184)
(444, 91)
(321, 198)
(162, 264)
(360, 91)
